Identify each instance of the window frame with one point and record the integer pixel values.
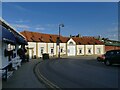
(98, 50)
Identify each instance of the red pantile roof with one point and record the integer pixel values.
(41, 37)
(51, 38)
(87, 41)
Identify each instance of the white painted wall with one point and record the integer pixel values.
(82, 49)
(71, 48)
(86, 49)
(32, 45)
(52, 46)
(63, 46)
(102, 48)
(71, 40)
(47, 48)
(42, 45)
(55, 48)
(30, 54)
(5, 61)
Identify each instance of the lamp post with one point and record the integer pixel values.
(60, 25)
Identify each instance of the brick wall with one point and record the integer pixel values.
(107, 48)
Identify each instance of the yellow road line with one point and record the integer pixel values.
(46, 81)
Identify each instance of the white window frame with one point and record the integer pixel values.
(71, 43)
(80, 50)
(52, 52)
(98, 50)
(90, 51)
(41, 50)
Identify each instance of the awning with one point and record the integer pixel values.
(7, 36)
(21, 40)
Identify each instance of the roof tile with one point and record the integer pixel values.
(41, 37)
(52, 38)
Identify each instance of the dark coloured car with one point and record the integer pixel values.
(112, 57)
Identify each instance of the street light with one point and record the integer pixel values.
(60, 25)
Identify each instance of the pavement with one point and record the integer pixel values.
(24, 77)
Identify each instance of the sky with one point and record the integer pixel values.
(84, 18)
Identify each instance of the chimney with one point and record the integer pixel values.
(78, 35)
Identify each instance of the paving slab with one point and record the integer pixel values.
(24, 77)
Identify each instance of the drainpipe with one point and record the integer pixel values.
(66, 49)
(84, 50)
(93, 49)
(36, 49)
(46, 47)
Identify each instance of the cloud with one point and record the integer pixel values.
(22, 21)
(45, 27)
(17, 7)
(113, 30)
(113, 36)
(115, 23)
(51, 25)
(40, 28)
(112, 33)
(20, 7)
(21, 26)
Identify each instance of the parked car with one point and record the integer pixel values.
(112, 57)
(101, 58)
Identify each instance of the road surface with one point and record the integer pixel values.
(79, 73)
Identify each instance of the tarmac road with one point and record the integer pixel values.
(79, 73)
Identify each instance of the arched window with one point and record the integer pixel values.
(71, 43)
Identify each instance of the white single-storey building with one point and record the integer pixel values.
(39, 43)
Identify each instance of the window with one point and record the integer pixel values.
(112, 53)
(52, 50)
(42, 49)
(80, 51)
(118, 52)
(61, 50)
(11, 47)
(71, 43)
(68, 50)
(89, 50)
(98, 50)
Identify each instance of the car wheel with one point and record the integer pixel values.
(107, 62)
(98, 59)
